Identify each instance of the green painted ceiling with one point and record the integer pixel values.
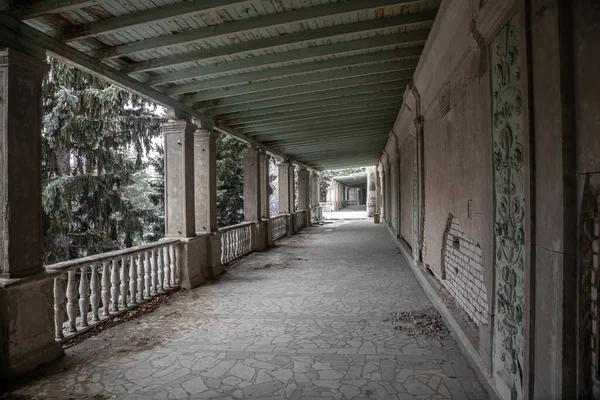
(318, 81)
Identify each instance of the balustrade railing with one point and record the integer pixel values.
(94, 288)
(280, 226)
(236, 241)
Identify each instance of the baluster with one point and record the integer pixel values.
(153, 272)
(132, 279)
(84, 296)
(167, 264)
(59, 307)
(72, 300)
(124, 281)
(105, 288)
(114, 278)
(95, 294)
(177, 258)
(147, 275)
(160, 270)
(140, 280)
(174, 272)
(238, 243)
(223, 247)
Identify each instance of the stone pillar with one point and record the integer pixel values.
(265, 193)
(180, 207)
(252, 209)
(286, 188)
(26, 290)
(377, 191)
(205, 194)
(316, 193)
(252, 197)
(303, 189)
(371, 191)
(179, 178)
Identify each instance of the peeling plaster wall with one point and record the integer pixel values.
(406, 190)
(394, 169)
(457, 142)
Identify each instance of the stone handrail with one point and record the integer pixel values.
(236, 241)
(280, 226)
(101, 286)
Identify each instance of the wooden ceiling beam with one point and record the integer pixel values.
(142, 18)
(261, 23)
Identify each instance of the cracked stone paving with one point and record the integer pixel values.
(304, 320)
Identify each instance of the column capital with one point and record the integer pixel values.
(12, 58)
(202, 133)
(176, 126)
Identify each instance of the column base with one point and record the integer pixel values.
(259, 236)
(27, 324)
(290, 224)
(193, 261)
(215, 266)
(269, 228)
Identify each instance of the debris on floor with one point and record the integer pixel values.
(136, 312)
(426, 322)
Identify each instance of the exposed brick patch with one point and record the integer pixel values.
(462, 272)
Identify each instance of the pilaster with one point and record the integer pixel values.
(205, 197)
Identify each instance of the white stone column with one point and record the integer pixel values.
(316, 191)
(205, 197)
(377, 191)
(265, 192)
(286, 188)
(303, 189)
(252, 198)
(180, 207)
(371, 191)
(179, 178)
(27, 303)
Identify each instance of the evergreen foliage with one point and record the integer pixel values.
(230, 181)
(94, 141)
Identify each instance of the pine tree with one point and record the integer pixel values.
(230, 181)
(95, 139)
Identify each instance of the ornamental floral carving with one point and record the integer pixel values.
(509, 205)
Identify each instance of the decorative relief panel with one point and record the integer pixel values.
(509, 210)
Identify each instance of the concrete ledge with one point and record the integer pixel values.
(429, 286)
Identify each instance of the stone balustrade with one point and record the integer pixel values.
(236, 241)
(280, 226)
(91, 289)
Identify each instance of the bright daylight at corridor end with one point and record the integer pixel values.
(299, 199)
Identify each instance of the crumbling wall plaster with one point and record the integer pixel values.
(462, 270)
(406, 190)
(457, 154)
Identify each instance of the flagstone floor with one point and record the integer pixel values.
(304, 320)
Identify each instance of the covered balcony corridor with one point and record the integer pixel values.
(477, 122)
(303, 320)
